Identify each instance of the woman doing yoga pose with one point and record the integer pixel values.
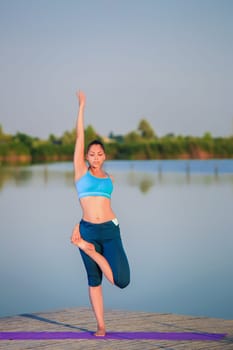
(98, 233)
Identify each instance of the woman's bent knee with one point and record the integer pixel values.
(122, 283)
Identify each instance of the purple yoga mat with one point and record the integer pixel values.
(112, 335)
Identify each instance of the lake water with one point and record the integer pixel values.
(176, 220)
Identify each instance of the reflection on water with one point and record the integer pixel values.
(25, 175)
(176, 221)
(16, 175)
(142, 178)
(143, 182)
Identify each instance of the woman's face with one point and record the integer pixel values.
(96, 156)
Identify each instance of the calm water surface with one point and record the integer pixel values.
(176, 223)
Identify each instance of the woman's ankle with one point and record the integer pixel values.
(101, 332)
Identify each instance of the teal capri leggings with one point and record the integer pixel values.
(107, 241)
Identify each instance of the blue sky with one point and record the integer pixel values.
(168, 61)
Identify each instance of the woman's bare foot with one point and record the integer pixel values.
(77, 240)
(100, 332)
(84, 245)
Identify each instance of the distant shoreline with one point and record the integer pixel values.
(140, 144)
(21, 159)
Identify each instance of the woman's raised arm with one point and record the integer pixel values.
(80, 166)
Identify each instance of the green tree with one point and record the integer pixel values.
(132, 137)
(68, 137)
(90, 134)
(146, 130)
(207, 142)
(24, 139)
(117, 138)
(54, 139)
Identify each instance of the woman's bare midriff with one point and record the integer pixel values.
(96, 209)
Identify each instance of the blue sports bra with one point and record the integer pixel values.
(90, 185)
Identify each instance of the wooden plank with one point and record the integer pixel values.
(82, 320)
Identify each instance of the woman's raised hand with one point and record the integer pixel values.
(81, 98)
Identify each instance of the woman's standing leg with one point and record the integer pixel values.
(94, 274)
(96, 299)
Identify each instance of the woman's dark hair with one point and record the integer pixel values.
(95, 142)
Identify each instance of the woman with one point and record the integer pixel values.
(98, 234)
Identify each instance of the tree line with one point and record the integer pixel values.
(139, 144)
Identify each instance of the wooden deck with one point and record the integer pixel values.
(82, 320)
